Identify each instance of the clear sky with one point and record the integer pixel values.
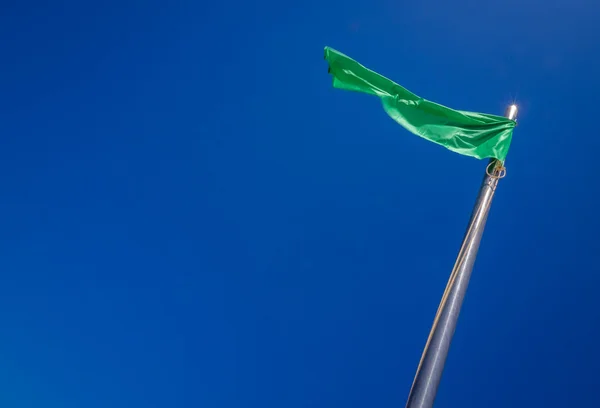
(193, 217)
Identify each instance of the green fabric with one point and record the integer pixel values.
(471, 134)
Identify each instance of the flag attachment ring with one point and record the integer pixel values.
(499, 170)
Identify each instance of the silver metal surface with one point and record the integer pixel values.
(431, 366)
(511, 112)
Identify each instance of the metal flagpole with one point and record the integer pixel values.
(431, 366)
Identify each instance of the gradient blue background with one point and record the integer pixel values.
(193, 217)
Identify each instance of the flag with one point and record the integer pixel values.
(472, 134)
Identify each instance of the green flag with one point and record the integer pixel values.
(472, 134)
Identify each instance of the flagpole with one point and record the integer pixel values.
(427, 379)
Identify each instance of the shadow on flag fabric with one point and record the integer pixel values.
(472, 134)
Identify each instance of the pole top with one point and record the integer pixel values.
(511, 112)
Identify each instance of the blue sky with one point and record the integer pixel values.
(194, 217)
